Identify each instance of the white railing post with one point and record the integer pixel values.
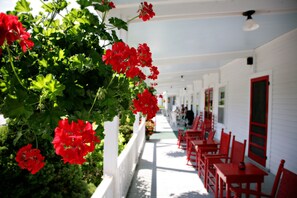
(136, 124)
(111, 130)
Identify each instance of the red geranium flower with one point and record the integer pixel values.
(120, 56)
(129, 61)
(146, 11)
(73, 141)
(12, 30)
(154, 72)
(144, 55)
(30, 159)
(146, 103)
(111, 4)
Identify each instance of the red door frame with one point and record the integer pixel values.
(251, 155)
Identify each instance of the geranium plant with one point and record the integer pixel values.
(59, 82)
(149, 128)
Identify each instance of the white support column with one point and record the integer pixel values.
(111, 130)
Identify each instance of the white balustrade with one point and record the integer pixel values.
(119, 170)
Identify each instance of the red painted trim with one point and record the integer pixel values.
(254, 157)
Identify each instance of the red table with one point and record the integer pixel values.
(192, 135)
(230, 173)
(194, 145)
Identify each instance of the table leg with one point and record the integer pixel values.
(258, 188)
(248, 188)
(189, 153)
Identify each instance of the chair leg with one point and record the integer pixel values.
(206, 174)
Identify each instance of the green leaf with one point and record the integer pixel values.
(43, 62)
(61, 54)
(17, 108)
(101, 8)
(118, 23)
(40, 82)
(19, 135)
(49, 7)
(22, 6)
(84, 3)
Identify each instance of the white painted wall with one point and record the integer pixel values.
(197, 96)
(236, 76)
(280, 57)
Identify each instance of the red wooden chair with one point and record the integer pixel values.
(237, 156)
(181, 137)
(222, 151)
(198, 134)
(202, 150)
(284, 185)
(193, 148)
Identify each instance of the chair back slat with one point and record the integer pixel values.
(225, 143)
(287, 187)
(238, 151)
(196, 122)
(277, 177)
(211, 135)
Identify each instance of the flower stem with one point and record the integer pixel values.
(13, 68)
(132, 19)
(97, 94)
(36, 140)
(95, 99)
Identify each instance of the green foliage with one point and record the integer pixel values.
(126, 132)
(23, 6)
(54, 180)
(63, 75)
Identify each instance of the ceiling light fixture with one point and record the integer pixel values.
(249, 24)
(182, 78)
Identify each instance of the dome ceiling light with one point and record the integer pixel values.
(249, 24)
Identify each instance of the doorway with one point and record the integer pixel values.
(258, 125)
(208, 109)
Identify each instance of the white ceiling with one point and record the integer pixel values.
(194, 37)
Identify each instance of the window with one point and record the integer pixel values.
(221, 111)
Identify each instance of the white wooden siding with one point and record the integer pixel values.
(280, 56)
(236, 76)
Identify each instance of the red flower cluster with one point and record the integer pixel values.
(146, 11)
(12, 30)
(126, 60)
(110, 4)
(146, 103)
(74, 140)
(30, 159)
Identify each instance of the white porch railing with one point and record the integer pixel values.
(119, 170)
